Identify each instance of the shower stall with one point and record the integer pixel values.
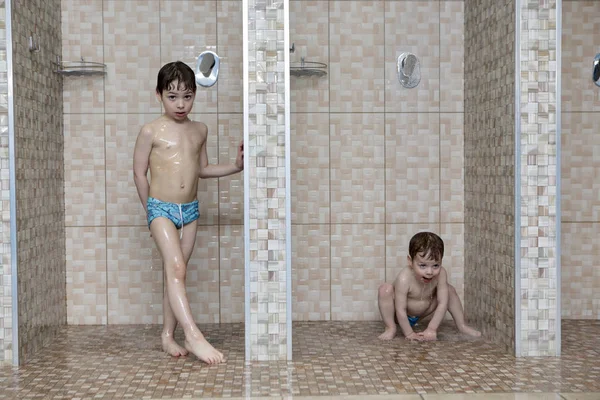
(471, 152)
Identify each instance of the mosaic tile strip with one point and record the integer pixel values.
(267, 220)
(6, 297)
(39, 171)
(538, 313)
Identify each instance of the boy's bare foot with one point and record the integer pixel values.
(204, 351)
(469, 331)
(388, 334)
(171, 347)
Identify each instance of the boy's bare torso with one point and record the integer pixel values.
(175, 159)
(419, 295)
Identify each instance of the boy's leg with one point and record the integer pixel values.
(169, 344)
(456, 310)
(167, 239)
(387, 309)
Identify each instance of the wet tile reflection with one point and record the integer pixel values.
(330, 359)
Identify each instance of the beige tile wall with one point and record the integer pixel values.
(39, 159)
(489, 168)
(114, 272)
(580, 147)
(372, 163)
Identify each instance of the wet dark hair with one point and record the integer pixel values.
(428, 244)
(175, 71)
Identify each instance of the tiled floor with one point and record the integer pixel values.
(340, 359)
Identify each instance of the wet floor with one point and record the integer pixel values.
(341, 359)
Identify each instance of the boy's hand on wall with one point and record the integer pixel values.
(239, 160)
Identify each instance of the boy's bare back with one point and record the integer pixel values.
(175, 158)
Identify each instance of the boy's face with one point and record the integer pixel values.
(176, 101)
(424, 268)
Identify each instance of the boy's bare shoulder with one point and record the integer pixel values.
(404, 277)
(199, 128)
(444, 272)
(147, 130)
(152, 126)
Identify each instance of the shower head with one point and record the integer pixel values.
(207, 63)
(409, 70)
(408, 65)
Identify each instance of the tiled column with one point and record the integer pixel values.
(538, 272)
(267, 180)
(6, 273)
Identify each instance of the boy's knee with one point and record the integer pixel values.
(386, 290)
(177, 270)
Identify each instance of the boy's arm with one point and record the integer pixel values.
(141, 155)
(442, 302)
(219, 170)
(401, 299)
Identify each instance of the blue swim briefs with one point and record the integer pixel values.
(413, 320)
(179, 214)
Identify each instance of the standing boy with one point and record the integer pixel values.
(174, 149)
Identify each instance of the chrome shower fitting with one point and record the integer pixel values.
(596, 70)
(409, 70)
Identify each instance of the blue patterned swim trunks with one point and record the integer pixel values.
(413, 320)
(179, 214)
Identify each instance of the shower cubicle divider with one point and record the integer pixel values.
(267, 196)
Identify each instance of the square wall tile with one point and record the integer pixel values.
(357, 168)
(232, 273)
(186, 41)
(231, 188)
(208, 189)
(82, 94)
(310, 168)
(123, 203)
(309, 33)
(132, 55)
(452, 56)
(412, 27)
(453, 236)
(311, 273)
(357, 65)
(580, 38)
(580, 147)
(230, 48)
(357, 270)
(135, 277)
(85, 170)
(580, 275)
(412, 168)
(86, 272)
(452, 168)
